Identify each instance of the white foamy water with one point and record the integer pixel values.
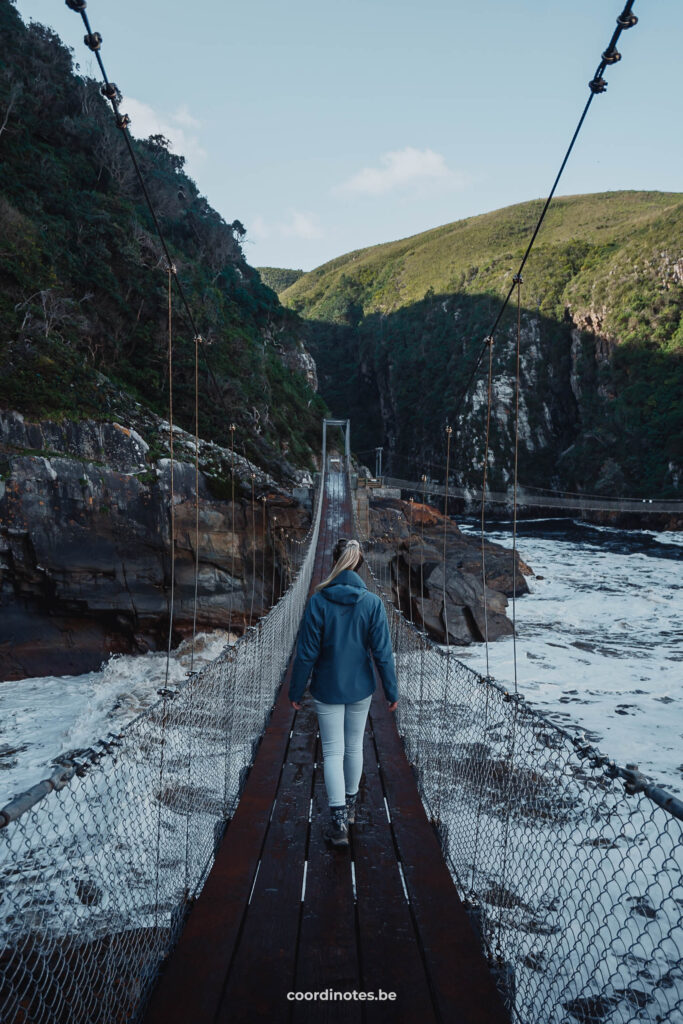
(44, 717)
(599, 637)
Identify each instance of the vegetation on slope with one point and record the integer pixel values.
(279, 278)
(395, 329)
(83, 281)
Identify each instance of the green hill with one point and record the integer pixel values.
(83, 281)
(278, 278)
(395, 329)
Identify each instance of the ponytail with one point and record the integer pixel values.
(347, 555)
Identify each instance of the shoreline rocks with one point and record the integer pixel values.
(444, 598)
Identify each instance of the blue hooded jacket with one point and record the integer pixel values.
(341, 625)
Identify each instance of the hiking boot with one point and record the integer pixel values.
(351, 808)
(338, 830)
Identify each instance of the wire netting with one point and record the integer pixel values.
(569, 865)
(100, 864)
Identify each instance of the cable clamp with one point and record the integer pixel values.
(513, 698)
(635, 781)
(111, 91)
(166, 692)
(626, 19)
(611, 56)
(597, 85)
(122, 121)
(76, 5)
(93, 41)
(518, 279)
(488, 340)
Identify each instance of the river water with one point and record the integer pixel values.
(599, 641)
(599, 646)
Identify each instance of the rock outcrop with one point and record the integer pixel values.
(445, 598)
(85, 541)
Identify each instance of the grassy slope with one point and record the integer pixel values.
(479, 254)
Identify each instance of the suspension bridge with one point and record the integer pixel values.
(500, 869)
(533, 498)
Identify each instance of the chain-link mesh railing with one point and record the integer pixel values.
(99, 863)
(569, 864)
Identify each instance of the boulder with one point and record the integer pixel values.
(436, 572)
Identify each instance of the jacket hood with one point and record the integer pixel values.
(346, 588)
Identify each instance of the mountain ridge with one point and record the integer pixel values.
(601, 355)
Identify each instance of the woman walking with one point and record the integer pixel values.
(342, 623)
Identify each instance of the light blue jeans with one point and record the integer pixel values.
(341, 733)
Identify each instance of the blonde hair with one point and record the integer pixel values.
(348, 556)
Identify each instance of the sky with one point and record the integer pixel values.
(326, 127)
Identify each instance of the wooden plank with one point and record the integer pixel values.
(463, 986)
(328, 956)
(390, 954)
(191, 983)
(262, 969)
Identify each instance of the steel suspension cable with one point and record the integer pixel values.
(93, 40)
(172, 494)
(232, 539)
(483, 503)
(518, 282)
(449, 431)
(596, 85)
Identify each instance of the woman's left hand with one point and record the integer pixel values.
(295, 704)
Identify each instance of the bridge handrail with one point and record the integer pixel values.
(101, 861)
(557, 862)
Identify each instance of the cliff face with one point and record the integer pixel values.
(395, 331)
(85, 541)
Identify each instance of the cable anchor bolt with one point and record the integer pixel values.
(93, 41)
(488, 340)
(122, 121)
(518, 279)
(76, 5)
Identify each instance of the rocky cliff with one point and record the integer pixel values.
(85, 540)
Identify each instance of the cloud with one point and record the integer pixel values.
(180, 128)
(301, 225)
(401, 169)
(297, 224)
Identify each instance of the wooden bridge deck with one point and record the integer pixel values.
(282, 912)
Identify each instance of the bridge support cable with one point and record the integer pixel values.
(449, 432)
(111, 92)
(596, 85)
(483, 498)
